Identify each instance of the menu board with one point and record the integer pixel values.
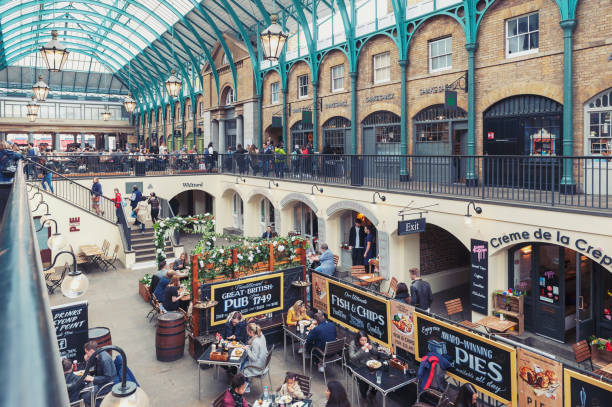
(319, 292)
(402, 325)
(251, 296)
(539, 382)
(355, 309)
(71, 328)
(488, 365)
(585, 391)
(479, 276)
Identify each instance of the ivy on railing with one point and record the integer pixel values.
(204, 224)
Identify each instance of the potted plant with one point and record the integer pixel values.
(143, 287)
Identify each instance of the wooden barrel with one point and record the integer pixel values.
(170, 338)
(102, 335)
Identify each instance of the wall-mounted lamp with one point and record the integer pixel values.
(468, 217)
(37, 193)
(380, 196)
(240, 178)
(75, 283)
(270, 182)
(46, 206)
(314, 186)
(56, 241)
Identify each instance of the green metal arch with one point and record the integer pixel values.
(421, 20)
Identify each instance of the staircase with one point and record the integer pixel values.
(144, 247)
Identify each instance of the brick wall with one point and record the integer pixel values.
(440, 250)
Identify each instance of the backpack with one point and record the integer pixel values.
(432, 372)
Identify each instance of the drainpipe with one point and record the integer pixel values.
(404, 177)
(353, 76)
(568, 186)
(315, 115)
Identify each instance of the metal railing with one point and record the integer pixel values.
(31, 367)
(576, 181)
(70, 191)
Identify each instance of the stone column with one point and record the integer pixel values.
(83, 140)
(106, 142)
(56, 142)
(30, 137)
(239, 131)
(222, 146)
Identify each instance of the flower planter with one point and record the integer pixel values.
(143, 290)
(602, 356)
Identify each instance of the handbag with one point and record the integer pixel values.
(123, 203)
(133, 214)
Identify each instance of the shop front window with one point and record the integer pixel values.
(605, 308)
(522, 269)
(548, 274)
(543, 135)
(598, 125)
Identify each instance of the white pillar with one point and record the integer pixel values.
(82, 140)
(222, 146)
(56, 144)
(239, 131)
(30, 137)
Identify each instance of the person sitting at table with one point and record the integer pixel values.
(172, 295)
(105, 371)
(74, 390)
(401, 293)
(291, 388)
(467, 396)
(235, 328)
(163, 283)
(360, 351)
(324, 332)
(234, 396)
(181, 264)
(326, 258)
(336, 395)
(297, 313)
(257, 352)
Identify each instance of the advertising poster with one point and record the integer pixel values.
(585, 391)
(355, 309)
(402, 326)
(539, 381)
(479, 276)
(71, 328)
(319, 293)
(251, 296)
(488, 365)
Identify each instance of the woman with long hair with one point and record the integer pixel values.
(257, 352)
(360, 351)
(467, 396)
(296, 313)
(336, 395)
(401, 293)
(370, 248)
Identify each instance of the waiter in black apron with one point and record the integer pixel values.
(357, 237)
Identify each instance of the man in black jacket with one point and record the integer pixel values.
(420, 291)
(74, 391)
(357, 237)
(105, 368)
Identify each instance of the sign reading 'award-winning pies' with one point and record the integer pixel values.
(355, 310)
(251, 296)
(488, 365)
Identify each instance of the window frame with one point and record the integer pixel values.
(376, 69)
(275, 95)
(224, 59)
(333, 79)
(301, 86)
(431, 57)
(508, 37)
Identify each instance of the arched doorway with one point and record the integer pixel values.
(274, 133)
(439, 131)
(301, 134)
(191, 202)
(347, 220)
(337, 135)
(237, 212)
(267, 215)
(305, 222)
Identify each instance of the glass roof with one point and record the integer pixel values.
(75, 62)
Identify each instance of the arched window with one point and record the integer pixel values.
(224, 60)
(237, 211)
(336, 134)
(381, 133)
(228, 96)
(598, 124)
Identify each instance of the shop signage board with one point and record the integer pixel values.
(402, 326)
(585, 391)
(355, 309)
(71, 328)
(479, 276)
(319, 293)
(539, 382)
(488, 365)
(408, 227)
(251, 296)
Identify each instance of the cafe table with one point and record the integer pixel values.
(494, 324)
(204, 359)
(391, 380)
(367, 280)
(272, 397)
(292, 332)
(93, 253)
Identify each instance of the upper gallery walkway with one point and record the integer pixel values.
(586, 185)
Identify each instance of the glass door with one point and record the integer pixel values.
(584, 277)
(549, 317)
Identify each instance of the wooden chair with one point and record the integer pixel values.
(303, 382)
(156, 308)
(105, 247)
(54, 278)
(263, 371)
(219, 400)
(582, 352)
(392, 288)
(81, 258)
(333, 352)
(454, 307)
(188, 325)
(109, 261)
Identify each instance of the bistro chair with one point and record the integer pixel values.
(333, 352)
(109, 260)
(303, 382)
(392, 287)
(105, 247)
(285, 326)
(156, 308)
(81, 258)
(433, 398)
(218, 402)
(454, 307)
(188, 325)
(582, 352)
(78, 403)
(265, 370)
(54, 278)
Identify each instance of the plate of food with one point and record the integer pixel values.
(373, 364)
(305, 322)
(298, 404)
(403, 323)
(283, 399)
(236, 353)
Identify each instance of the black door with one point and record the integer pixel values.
(549, 289)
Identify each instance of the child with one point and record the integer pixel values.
(291, 388)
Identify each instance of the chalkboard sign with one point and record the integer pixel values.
(585, 391)
(71, 326)
(355, 309)
(488, 365)
(408, 227)
(251, 296)
(479, 276)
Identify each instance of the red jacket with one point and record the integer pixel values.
(228, 400)
(117, 200)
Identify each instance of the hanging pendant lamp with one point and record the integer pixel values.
(33, 107)
(129, 103)
(173, 85)
(106, 114)
(54, 53)
(40, 89)
(32, 117)
(273, 40)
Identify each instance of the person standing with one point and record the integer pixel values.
(96, 196)
(154, 202)
(141, 213)
(254, 158)
(279, 160)
(420, 291)
(47, 175)
(370, 246)
(268, 152)
(118, 204)
(134, 199)
(269, 233)
(357, 238)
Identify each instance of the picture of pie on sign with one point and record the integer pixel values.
(543, 382)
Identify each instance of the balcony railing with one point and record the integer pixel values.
(579, 182)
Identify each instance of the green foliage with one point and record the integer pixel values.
(146, 280)
(204, 224)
